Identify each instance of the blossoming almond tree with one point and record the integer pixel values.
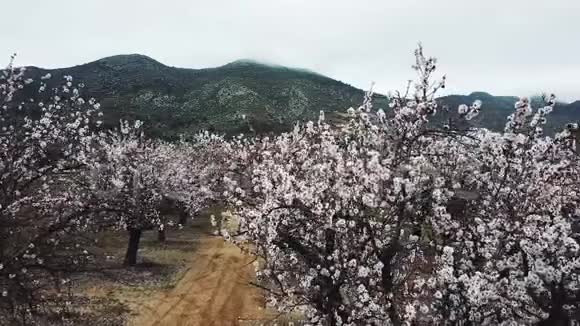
(190, 176)
(512, 256)
(126, 179)
(337, 215)
(388, 221)
(46, 138)
(137, 178)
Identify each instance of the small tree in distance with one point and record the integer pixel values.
(127, 182)
(137, 178)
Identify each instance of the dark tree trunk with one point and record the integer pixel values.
(558, 316)
(183, 217)
(133, 248)
(329, 237)
(387, 278)
(161, 237)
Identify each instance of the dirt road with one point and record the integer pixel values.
(214, 291)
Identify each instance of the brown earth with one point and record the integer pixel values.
(214, 291)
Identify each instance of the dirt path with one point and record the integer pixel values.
(214, 291)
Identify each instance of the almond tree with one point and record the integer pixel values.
(46, 138)
(136, 177)
(339, 215)
(190, 176)
(512, 257)
(386, 221)
(126, 181)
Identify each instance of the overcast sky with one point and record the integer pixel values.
(505, 47)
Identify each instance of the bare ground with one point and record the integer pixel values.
(195, 278)
(215, 290)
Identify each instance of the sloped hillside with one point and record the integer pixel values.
(242, 96)
(246, 96)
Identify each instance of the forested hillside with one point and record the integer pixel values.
(245, 96)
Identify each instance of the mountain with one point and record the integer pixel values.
(495, 110)
(241, 96)
(245, 96)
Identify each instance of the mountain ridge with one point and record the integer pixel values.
(243, 96)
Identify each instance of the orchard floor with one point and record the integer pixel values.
(215, 290)
(208, 284)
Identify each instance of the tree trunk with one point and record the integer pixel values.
(557, 314)
(183, 217)
(133, 248)
(161, 237)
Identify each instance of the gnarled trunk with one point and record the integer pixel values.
(133, 247)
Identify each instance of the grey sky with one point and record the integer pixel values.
(505, 47)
